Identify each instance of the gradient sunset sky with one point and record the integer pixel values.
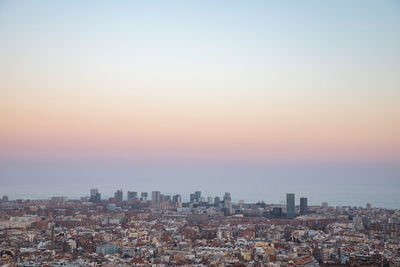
(214, 81)
(266, 80)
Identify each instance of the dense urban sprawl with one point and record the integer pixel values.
(164, 231)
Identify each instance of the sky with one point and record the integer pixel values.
(286, 83)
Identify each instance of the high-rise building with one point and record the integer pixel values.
(119, 197)
(324, 204)
(95, 196)
(176, 199)
(144, 196)
(303, 205)
(156, 196)
(195, 197)
(228, 204)
(131, 196)
(198, 195)
(209, 200)
(227, 197)
(290, 204)
(93, 191)
(217, 200)
(368, 206)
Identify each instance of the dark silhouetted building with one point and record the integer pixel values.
(217, 200)
(95, 196)
(176, 199)
(131, 196)
(290, 204)
(195, 197)
(303, 205)
(119, 197)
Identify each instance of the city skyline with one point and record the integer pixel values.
(167, 231)
(200, 133)
(128, 196)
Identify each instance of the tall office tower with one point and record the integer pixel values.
(209, 200)
(93, 191)
(156, 196)
(217, 200)
(303, 205)
(4, 199)
(198, 195)
(324, 204)
(167, 198)
(176, 199)
(192, 198)
(228, 204)
(131, 196)
(227, 197)
(290, 204)
(195, 197)
(368, 206)
(95, 196)
(144, 196)
(119, 197)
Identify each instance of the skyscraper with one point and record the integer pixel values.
(176, 199)
(228, 204)
(195, 197)
(198, 195)
(290, 204)
(303, 205)
(217, 200)
(93, 191)
(119, 197)
(95, 196)
(131, 196)
(156, 196)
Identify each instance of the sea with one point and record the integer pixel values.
(338, 184)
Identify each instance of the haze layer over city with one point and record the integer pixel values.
(257, 99)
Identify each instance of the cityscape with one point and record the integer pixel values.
(157, 133)
(155, 229)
